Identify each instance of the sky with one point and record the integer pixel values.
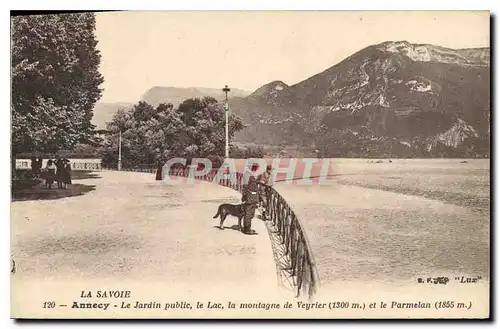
(246, 50)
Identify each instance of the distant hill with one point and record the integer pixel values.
(391, 99)
(103, 112)
(174, 95)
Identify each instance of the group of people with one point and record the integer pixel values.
(254, 195)
(58, 170)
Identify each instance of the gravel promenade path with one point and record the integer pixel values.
(127, 230)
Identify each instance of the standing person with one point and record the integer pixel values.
(61, 173)
(36, 167)
(58, 176)
(250, 198)
(264, 189)
(39, 165)
(67, 173)
(51, 173)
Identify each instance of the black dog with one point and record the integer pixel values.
(236, 210)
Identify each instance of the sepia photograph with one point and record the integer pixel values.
(250, 165)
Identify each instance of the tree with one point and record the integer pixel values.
(55, 81)
(205, 127)
(151, 136)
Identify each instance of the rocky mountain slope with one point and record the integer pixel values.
(391, 99)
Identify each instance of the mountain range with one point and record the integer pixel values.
(394, 99)
(390, 99)
(157, 95)
(103, 112)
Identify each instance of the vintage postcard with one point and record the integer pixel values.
(257, 165)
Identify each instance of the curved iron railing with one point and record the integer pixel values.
(295, 259)
(293, 253)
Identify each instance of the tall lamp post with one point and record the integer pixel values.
(120, 151)
(226, 106)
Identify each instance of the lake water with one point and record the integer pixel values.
(394, 222)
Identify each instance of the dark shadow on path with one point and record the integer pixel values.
(40, 192)
(84, 175)
(233, 227)
(24, 184)
(236, 228)
(77, 244)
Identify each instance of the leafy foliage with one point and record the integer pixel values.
(55, 81)
(151, 136)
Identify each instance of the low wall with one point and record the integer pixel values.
(76, 164)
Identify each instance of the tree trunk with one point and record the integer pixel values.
(159, 172)
(12, 167)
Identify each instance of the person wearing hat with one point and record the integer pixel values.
(51, 173)
(67, 169)
(264, 189)
(250, 198)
